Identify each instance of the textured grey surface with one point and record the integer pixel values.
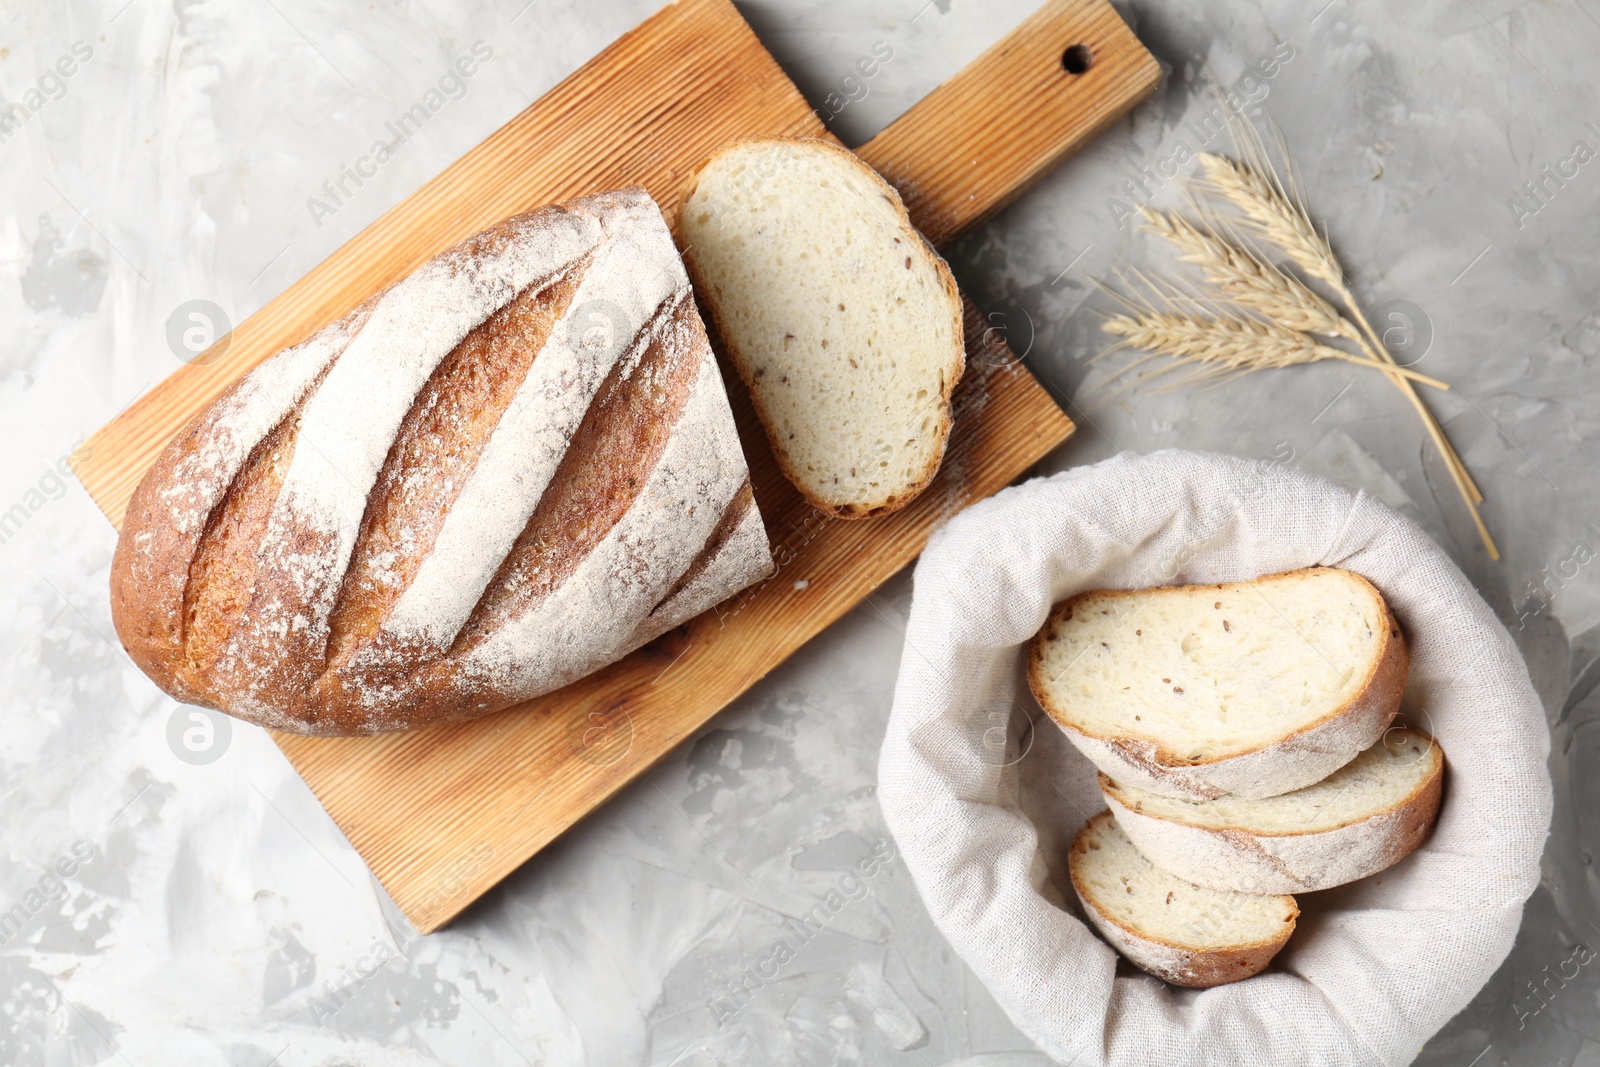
(222, 919)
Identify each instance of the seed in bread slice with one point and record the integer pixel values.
(1178, 931)
(1366, 816)
(1252, 688)
(839, 316)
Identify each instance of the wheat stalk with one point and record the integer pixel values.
(1230, 343)
(1276, 212)
(1271, 211)
(1276, 216)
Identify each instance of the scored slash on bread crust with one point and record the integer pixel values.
(1182, 933)
(1365, 817)
(508, 469)
(1279, 744)
(840, 317)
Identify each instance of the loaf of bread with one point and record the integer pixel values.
(1251, 688)
(1177, 931)
(506, 470)
(1366, 816)
(839, 316)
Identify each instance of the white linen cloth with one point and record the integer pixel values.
(1374, 968)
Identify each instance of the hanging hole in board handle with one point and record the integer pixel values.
(1077, 59)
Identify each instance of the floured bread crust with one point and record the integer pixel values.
(1299, 851)
(505, 471)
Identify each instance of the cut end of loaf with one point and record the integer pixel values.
(843, 322)
(1180, 932)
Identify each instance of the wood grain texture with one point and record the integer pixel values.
(979, 140)
(442, 814)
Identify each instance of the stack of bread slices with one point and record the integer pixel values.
(1245, 739)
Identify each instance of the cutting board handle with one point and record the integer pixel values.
(973, 145)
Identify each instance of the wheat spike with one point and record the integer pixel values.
(1245, 278)
(1223, 344)
(1271, 210)
(1274, 210)
(1270, 213)
(1229, 344)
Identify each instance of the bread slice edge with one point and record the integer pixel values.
(1254, 861)
(1298, 759)
(899, 499)
(1177, 964)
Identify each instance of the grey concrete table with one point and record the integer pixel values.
(180, 911)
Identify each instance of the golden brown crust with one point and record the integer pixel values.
(1180, 965)
(896, 501)
(1219, 968)
(1383, 685)
(223, 570)
(147, 596)
(215, 619)
(155, 562)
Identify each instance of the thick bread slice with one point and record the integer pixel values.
(839, 316)
(1183, 933)
(1366, 816)
(1251, 688)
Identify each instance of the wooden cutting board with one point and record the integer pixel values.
(442, 814)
